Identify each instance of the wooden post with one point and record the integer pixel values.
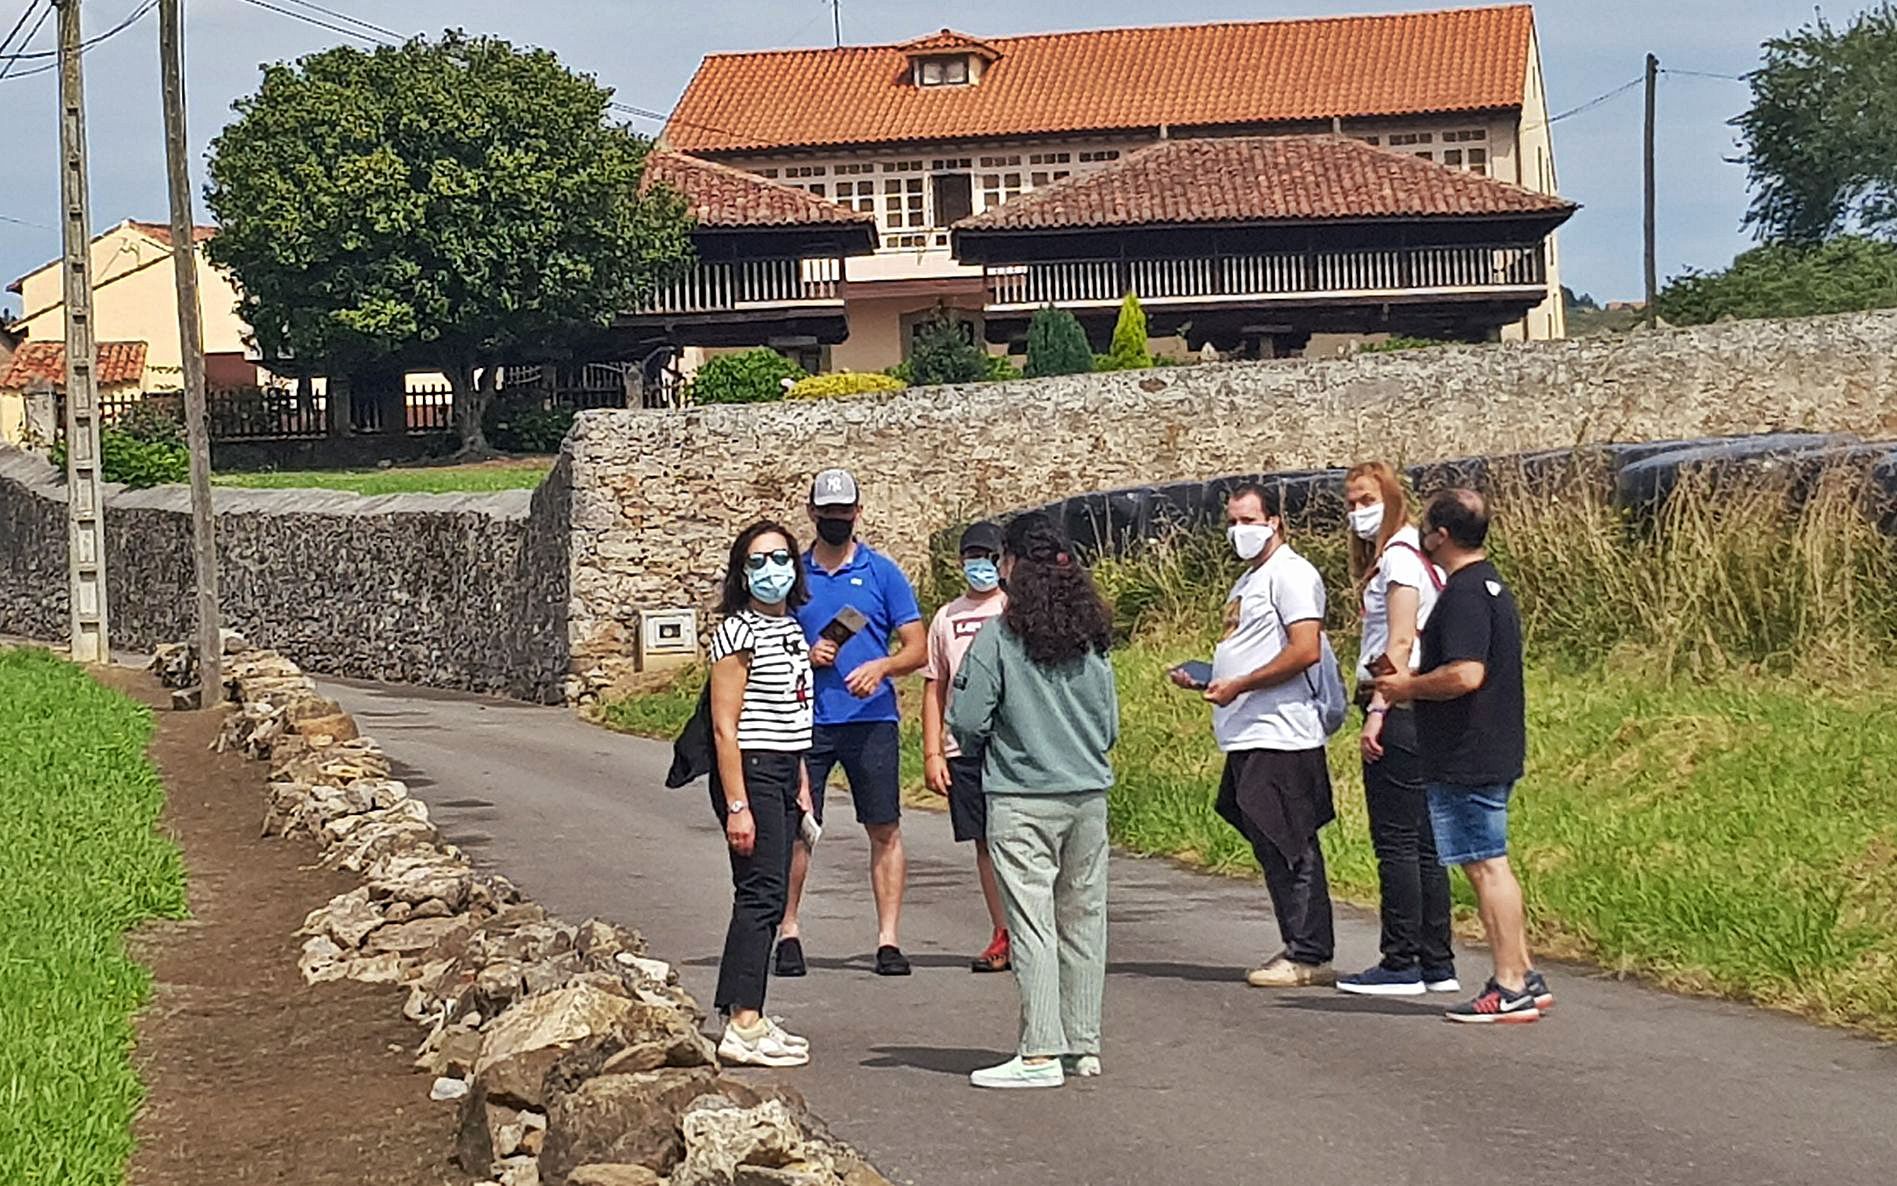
(184, 255)
(1652, 310)
(85, 493)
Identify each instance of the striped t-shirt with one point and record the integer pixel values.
(777, 702)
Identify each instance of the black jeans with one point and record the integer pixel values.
(1278, 800)
(760, 883)
(1415, 888)
(1301, 898)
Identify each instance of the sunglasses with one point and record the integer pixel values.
(757, 560)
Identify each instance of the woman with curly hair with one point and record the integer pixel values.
(1035, 693)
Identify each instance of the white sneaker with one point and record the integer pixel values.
(762, 1050)
(1018, 1073)
(794, 1041)
(1081, 1066)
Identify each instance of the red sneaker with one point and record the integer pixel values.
(995, 958)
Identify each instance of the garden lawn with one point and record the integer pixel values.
(1736, 837)
(80, 864)
(476, 478)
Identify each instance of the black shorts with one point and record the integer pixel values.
(968, 806)
(871, 757)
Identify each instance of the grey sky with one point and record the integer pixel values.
(647, 49)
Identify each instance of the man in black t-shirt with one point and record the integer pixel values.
(1470, 729)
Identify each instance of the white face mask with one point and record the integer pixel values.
(1249, 539)
(1367, 521)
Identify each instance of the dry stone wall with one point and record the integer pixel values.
(659, 495)
(460, 591)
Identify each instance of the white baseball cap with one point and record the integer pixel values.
(834, 488)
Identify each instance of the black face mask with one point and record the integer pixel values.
(835, 532)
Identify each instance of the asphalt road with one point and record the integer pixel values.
(1208, 1081)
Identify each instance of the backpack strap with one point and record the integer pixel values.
(1286, 631)
(1429, 566)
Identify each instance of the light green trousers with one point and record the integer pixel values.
(1050, 856)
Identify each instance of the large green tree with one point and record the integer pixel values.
(1841, 275)
(1821, 136)
(450, 204)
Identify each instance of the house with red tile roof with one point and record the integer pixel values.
(1416, 191)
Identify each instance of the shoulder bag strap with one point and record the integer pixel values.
(1429, 566)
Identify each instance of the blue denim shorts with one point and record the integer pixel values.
(1471, 823)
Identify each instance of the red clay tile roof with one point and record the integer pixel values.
(1248, 179)
(119, 363)
(948, 41)
(725, 198)
(1184, 76)
(161, 231)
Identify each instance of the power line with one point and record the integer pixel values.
(87, 44)
(6, 68)
(1708, 74)
(317, 21)
(1591, 104)
(346, 18)
(38, 226)
(17, 26)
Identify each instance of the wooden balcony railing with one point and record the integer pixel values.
(750, 283)
(1384, 272)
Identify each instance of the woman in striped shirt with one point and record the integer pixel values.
(761, 720)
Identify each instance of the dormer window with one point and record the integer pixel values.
(943, 71)
(948, 59)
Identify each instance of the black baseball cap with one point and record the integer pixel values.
(982, 537)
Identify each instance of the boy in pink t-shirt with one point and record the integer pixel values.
(948, 771)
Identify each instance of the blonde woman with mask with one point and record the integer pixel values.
(1396, 587)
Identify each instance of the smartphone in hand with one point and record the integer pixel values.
(1198, 672)
(1380, 666)
(845, 626)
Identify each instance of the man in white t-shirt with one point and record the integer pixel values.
(1276, 789)
(946, 769)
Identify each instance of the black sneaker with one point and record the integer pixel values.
(1496, 1004)
(890, 961)
(1537, 985)
(790, 958)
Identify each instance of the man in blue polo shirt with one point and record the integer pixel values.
(856, 703)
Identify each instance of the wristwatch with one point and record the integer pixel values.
(736, 807)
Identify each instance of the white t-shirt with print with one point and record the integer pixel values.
(1283, 591)
(1399, 565)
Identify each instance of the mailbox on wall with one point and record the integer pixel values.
(667, 638)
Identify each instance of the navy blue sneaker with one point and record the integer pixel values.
(1496, 1004)
(1442, 979)
(1379, 981)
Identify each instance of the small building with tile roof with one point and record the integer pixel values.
(1261, 241)
(952, 126)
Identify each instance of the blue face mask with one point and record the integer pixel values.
(983, 576)
(772, 583)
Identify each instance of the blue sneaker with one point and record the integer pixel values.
(1442, 979)
(1379, 981)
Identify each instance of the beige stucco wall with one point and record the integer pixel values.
(657, 496)
(12, 417)
(134, 299)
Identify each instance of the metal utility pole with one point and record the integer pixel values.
(85, 499)
(836, 20)
(184, 255)
(1652, 309)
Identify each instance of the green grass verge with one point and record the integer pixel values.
(422, 479)
(1732, 837)
(80, 864)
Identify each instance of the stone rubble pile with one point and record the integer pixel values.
(574, 1058)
